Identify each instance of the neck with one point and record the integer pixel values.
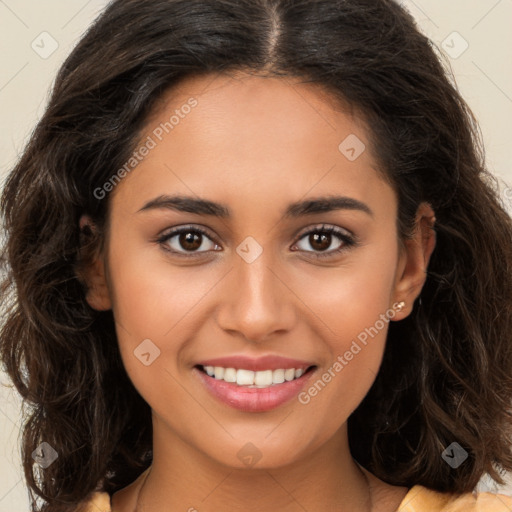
(182, 478)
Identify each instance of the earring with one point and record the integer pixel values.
(400, 306)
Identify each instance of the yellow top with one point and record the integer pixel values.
(418, 499)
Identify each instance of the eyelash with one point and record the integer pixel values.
(348, 240)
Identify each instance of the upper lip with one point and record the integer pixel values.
(268, 362)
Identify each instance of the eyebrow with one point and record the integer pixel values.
(200, 206)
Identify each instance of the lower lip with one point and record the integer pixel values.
(254, 399)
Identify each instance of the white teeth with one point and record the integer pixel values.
(278, 376)
(260, 379)
(244, 377)
(289, 374)
(230, 375)
(263, 378)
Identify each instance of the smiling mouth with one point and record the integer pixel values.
(254, 379)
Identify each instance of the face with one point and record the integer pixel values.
(294, 262)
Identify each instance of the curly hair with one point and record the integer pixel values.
(447, 370)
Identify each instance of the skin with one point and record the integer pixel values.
(255, 145)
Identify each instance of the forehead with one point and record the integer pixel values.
(268, 111)
(251, 139)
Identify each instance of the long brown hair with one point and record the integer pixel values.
(447, 370)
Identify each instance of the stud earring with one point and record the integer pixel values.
(400, 306)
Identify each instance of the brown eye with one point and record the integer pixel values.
(322, 238)
(320, 242)
(188, 240)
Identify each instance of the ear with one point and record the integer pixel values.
(93, 272)
(413, 261)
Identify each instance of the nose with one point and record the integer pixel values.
(257, 302)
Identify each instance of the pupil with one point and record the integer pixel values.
(320, 242)
(190, 240)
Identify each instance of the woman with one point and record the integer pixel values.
(255, 263)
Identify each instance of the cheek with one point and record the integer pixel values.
(151, 294)
(154, 300)
(349, 298)
(351, 366)
(353, 307)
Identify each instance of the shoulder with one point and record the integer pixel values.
(98, 502)
(421, 499)
(418, 499)
(124, 498)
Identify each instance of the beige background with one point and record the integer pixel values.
(483, 73)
